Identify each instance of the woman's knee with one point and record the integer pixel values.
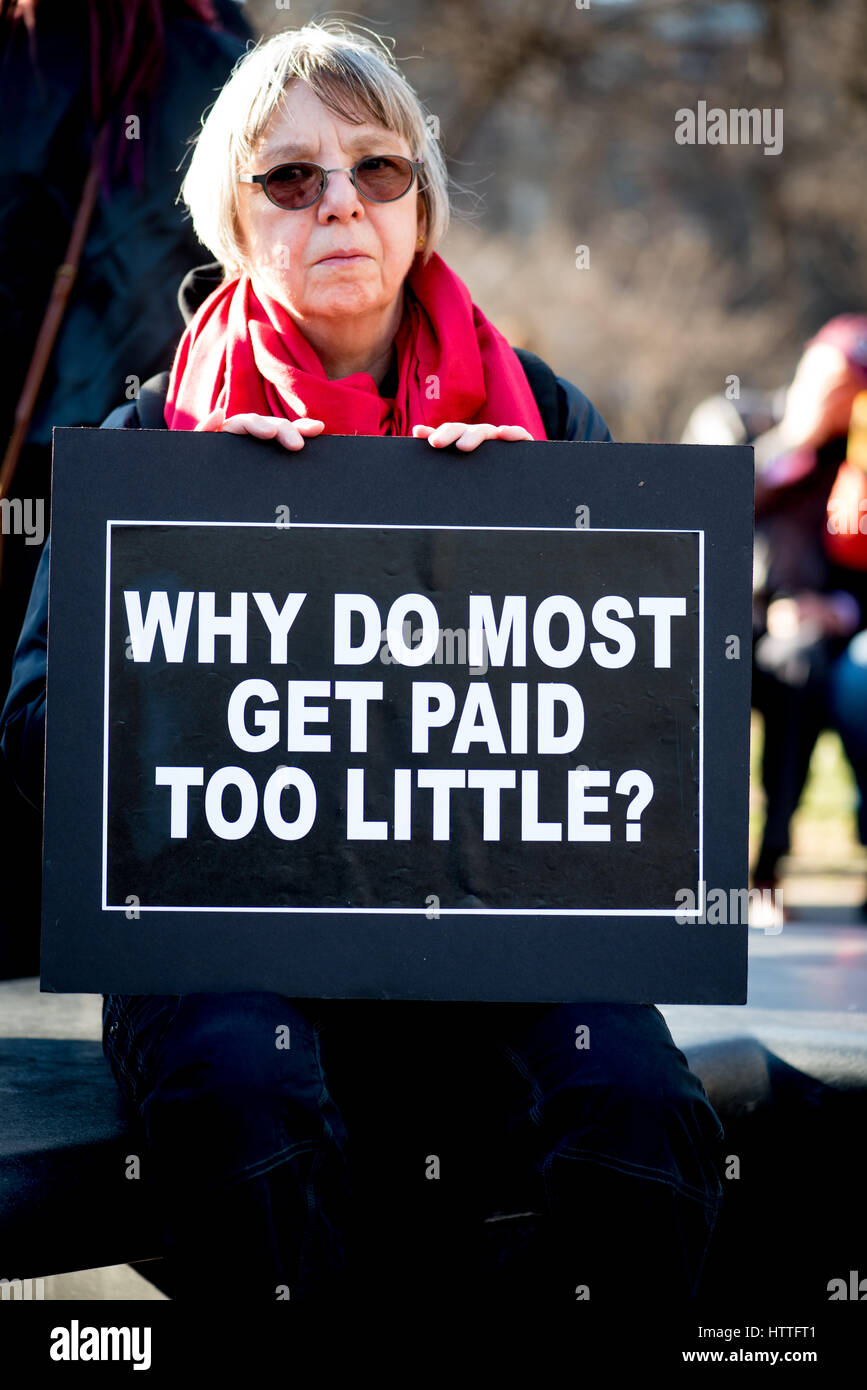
(623, 1049)
(606, 1084)
(258, 1041)
(240, 1074)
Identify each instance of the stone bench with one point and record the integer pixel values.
(793, 1103)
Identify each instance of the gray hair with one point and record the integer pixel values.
(354, 74)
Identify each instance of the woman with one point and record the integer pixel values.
(810, 609)
(335, 314)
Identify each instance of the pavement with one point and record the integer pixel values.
(811, 975)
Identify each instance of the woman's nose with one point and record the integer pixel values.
(340, 196)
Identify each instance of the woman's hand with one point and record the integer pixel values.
(290, 433)
(467, 437)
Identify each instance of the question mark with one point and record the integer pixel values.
(643, 787)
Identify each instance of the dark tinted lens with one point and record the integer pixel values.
(383, 177)
(294, 185)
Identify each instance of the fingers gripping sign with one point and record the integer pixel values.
(467, 437)
(290, 433)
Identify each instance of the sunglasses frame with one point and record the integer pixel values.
(262, 179)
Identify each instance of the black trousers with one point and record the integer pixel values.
(529, 1150)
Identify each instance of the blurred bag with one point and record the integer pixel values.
(798, 660)
(846, 529)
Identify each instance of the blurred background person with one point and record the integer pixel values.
(810, 579)
(810, 583)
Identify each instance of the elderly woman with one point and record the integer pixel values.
(317, 186)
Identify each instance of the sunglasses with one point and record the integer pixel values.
(378, 178)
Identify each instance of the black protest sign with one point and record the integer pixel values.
(381, 721)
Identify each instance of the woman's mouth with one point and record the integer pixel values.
(344, 258)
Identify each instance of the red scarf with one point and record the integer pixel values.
(245, 352)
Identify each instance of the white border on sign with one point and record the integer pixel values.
(423, 911)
